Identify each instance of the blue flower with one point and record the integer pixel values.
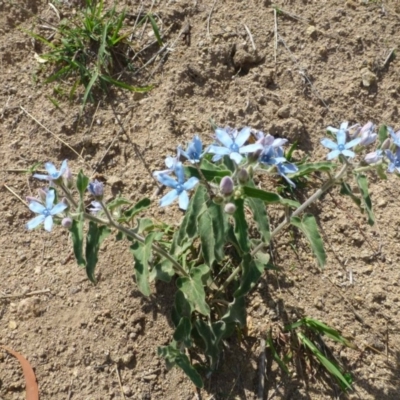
(45, 212)
(340, 147)
(395, 136)
(96, 207)
(179, 187)
(233, 144)
(274, 156)
(367, 134)
(170, 163)
(96, 189)
(53, 174)
(374, 157)
(394, 160)
(194, 150)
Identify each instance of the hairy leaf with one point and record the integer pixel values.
(251, 273)
(136, 209)
(82, 182)
(268, 197)
(363, 185)
(308, 225)
(260, 217)
(77, 240)
(95, 236)
(241, 227)
(183, 331)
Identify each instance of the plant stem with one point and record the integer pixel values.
(326, 186)
(178, 268)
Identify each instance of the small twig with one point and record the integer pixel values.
(70, 390)
(16, 296)
(294, 16)
(250, 36)
(261, 372)
(209, 19)
(49, 131)
(119, 381)
(388, 57)
(15, 194)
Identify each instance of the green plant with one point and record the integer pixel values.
(93, 49)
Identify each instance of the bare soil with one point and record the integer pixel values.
(223, 65)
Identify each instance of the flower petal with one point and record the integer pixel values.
(36, 207)
(279, 142)
(167, 180)
(236, 157)
(333, 154)
(180, 173)
(183, 200)
(343, 126)
(222, 151)
(33, 223)
(63, 168)
(348, 153)
(242, 136)
(390, 156)
(190, 183)
(353, 143)
(341, 136)
(41, 176)
(50, 168)
(198, 146)
(223, 137)
(332, 129)
(168, 198)
(50, 196)
(391, 167)
(329, 144)
(170, 161)
(58, 208)
(251, 148)
(48, 223)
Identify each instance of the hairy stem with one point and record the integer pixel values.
(326, 186)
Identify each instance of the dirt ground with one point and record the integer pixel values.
(82, 340)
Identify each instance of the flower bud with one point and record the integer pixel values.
(29, 199)
(386, 144)
(226, 186)
(42, 195)
(66, 222)
(230, 208)
(96, 189)
(243, 176)
(374, 157)
(68, 179)
(218, 199)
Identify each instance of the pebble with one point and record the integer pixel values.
(12, 325)
(312, 32)
(284, 112)
(368, 78)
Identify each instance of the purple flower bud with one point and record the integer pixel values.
(68, 178)
(96, 189)
(374, 157)
(230, 208)
(243, 176)
(226, 186)
(42, 194)
(367, 134)
(66, 222)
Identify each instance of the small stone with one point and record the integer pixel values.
(368, 78)
(378, 294)
(127, 390)
(312, 32)
(143, 187)
(284, 112)
(150, 377)
(126, 359)
(12, 325)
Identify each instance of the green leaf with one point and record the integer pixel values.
(77, 240)
(308, 225)
(346, 190)
(193, 289)
(209, 174)
(155, 29)
(142, 254)
(260, 217)
(275, 354)
(211, 335)
(343, 379)
(382, 134)
(183, 330)
(118, 202)
(236, 312)
(82, 182)
(162, 271)
(174, 357)
(136, 209)
(241, 228)
(308, 168)
(95, 236)
(251, 273)
(363, 185)
(268, 197)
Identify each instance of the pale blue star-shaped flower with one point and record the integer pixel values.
(233, 144)
(46, 212)
(53, 174)
(394, 160)
(179, 186)
(194, 151)
(341, 147)
(170, 163)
